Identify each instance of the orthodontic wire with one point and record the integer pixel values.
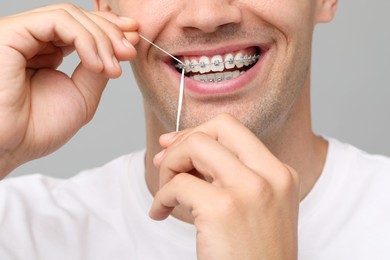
(181, 89)
(202, 65)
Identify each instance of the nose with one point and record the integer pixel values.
(208, 15)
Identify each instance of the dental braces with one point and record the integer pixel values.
(217, 63)
(215, 78)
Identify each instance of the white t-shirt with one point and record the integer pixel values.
(347, 213)
(103, 214)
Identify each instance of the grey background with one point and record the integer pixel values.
(350, 92)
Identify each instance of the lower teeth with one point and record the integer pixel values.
(217, 77)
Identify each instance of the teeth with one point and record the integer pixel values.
(202, 78)
(204, 67)
(187, 66)
(252, 59)
(238, 60)
(235, 73)
(216, 77)
(246, 60)
(229, 61)
(204, 64)
(217, 63)
(228, 75)
(211, 77)
(219, 77)
(194, 68)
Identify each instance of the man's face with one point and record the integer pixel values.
(215, 36)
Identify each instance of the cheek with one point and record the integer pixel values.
(159, 101)
(154, 88)
(152, 15)
(291, 17)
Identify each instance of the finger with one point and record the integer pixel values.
(50, 60)
(107, 24)
(128, 25)
(49, 57)
(242, 143)
(122, 47)
(132, 37)
(125, 23)
(103, 41)
(234, 136)
(66, 50)
(28, 38)
(185, 190)
(211, 160)
(91, 86)
(168, 139)
(53, 25)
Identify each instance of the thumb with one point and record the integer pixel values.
(91, 86)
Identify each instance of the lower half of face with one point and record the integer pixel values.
(253, 66)
(260, 93)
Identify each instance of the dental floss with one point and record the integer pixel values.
(181, 89)
(161, 49)
(180, 102)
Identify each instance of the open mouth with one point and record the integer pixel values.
(219, 67)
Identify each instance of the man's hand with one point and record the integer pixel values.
(41, 108)
(243, 200)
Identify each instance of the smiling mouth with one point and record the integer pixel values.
(219, 67)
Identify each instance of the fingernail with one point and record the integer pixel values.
(99, 60)
(115, 61)
(127, 43)
(124, 18)
(129, 23)
(159, 155)
(168, 136)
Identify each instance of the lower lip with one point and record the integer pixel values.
(198, 88)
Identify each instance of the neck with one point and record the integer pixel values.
(294, 144)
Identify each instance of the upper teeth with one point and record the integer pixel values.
(218, 63)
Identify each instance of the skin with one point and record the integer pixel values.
(241, 188)
(276, 104)
(32, 46)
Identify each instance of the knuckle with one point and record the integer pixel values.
(225, 119)
(69, 7)
(287, 179)
(59, 15)
(195, 139)
(110, 29)
(259, 188)
(164, 165)
(179, 179)
(60, 12)
(103, 38)
(225, 204)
